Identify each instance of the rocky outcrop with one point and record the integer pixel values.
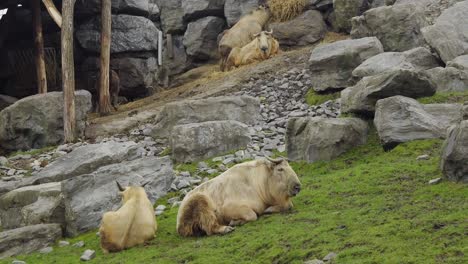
(344, 10)
(331, 65)
(449, 35)
(307, 28)
(6, 101)
(235, 9)
(85, 160)
(133, 7)
(28, 239)
(362, 97)
(200, 39)
(38, 204)
(129, 34)
(88, 196)
(452, 78)
(398, 27)
(401, 119)
(415, 59)
(196, 9)
(454, 160)
(194, 142)
(137, 75)
(37, 121)
(244, 109)
(172, 16)
(323, 139)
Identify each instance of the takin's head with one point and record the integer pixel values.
(131, 191)
(264, 42)
(283, 179)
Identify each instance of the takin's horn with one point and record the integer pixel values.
(145, 183)
(120, 186)
(275, 161)
(256, 35)
(270, 32)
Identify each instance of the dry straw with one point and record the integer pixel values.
(284, 10)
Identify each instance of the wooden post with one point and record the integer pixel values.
(106, 18)
(68, 71)
(169, 46)
(39, 47)
(53, 12)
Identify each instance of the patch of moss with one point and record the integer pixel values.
(314, 98)
(33, 152)
(368, 205)
(445, 97)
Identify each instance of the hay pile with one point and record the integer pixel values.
(284, 10)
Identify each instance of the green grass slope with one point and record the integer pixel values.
(369, 206)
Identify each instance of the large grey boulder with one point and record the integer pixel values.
(132, 7)
(37, 121)
(196, 9)
(179, 61)
(322, 5)
(332, 64)
(84, 160)
(6, 101)
(362, 97)
(31, 205)
(401, 119)
(322, 139)
(344, 10)
(398, 27)
(244, 109)
(129, 34)
(454, 160)
(137, 75)
(307, 28)
(28, 239)
(172, 16)
(452, 78)
(235, 9)
(88, 196)
(414, 59)
(198, 141)
(449, 35)
(200, 39)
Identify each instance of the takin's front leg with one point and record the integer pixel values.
(278, 208)
(238, 214)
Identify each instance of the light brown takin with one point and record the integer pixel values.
(262, 47)
(237, 196)
(131, 225)
(242, 32)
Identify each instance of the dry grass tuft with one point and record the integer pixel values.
(284, 10)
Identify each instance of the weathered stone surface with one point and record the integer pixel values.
(244, 109)
(84, 160)
(28, 239)
(137, 75)
(38, 204)
(235, 9)
(154, 12)
(398, 27)
(88, 196)
(172, 16)
(6, 101)
(454, 161)
(449, 35)
(196, 9)
(179, 61)
(37, 121)
(322, 139)
(129, 34)
(331, 65)
(133, 7)
(401, 119)
(198, 141)
(362, 97)
(305, 29)
(452, 78)
(344, 10)
(414, 59)
(200, 39)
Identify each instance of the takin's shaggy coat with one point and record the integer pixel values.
(133, 224)
(242, 32)
(262, 47)
(237, 196)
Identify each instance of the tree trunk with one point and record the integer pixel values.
(53, 12)
(104, 97)
(39, 47)
(68, 71)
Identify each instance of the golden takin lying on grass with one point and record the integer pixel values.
(262, 47)
(133, 224)
(237, 196)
